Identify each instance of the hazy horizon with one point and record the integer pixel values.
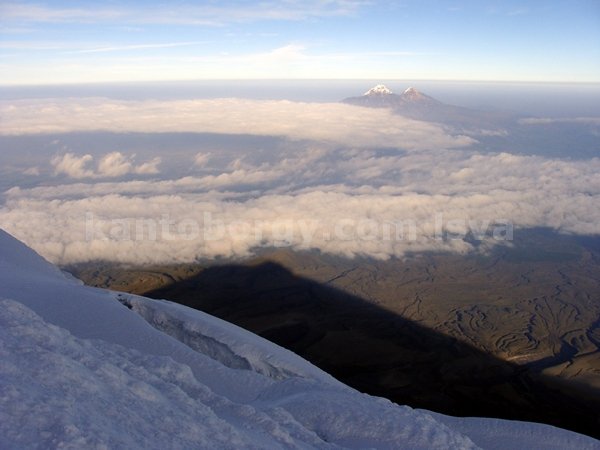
(528, 98)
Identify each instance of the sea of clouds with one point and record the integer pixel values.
(346, 180)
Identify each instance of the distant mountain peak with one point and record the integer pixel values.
(380, 89)
(414, 104)
(412, 94)
(410, 102)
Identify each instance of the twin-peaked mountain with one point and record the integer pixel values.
(417, 105)
(382, 97)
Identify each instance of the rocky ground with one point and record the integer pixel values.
(513, 333)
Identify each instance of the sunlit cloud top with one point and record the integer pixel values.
(65, 42)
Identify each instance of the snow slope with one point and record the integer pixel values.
(88, 368)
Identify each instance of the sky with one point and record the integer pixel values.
(85, 42)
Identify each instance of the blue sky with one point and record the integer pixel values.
(68, 41)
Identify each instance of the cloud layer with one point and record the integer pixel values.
(324, 122)
(345, 202)
(341, 179)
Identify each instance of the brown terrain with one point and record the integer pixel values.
(514, 333)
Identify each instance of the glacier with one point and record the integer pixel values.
(83, 368)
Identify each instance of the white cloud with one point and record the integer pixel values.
(111, 165)
(124, 48)
(292, 60)
(551, 120)
(201, 159)
(215, 14)
(32, 171)
(114, 164)
(329, 122)
(31, 12)
(148, 168)
(72, 165)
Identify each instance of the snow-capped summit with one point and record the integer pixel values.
(382, 97)
(380, 89)
(412, 93)
(84, 367)
(414, 97)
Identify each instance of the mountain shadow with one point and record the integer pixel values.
(377, 351)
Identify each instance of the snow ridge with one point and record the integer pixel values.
(380, 89)
(214, 340)
(59, 391)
